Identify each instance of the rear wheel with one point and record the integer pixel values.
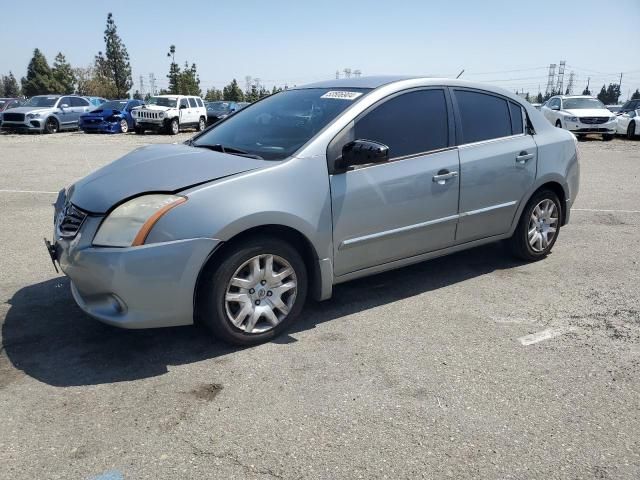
(558, 124)
(202, 124)
(124, 126)
(51, 125)
(254, 292)
(631, 131)
(538, 227)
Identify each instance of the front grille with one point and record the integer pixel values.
(70, 220)
(13, 117)
(593, 120)
(146, 114)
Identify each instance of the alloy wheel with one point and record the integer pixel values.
(543, 225)
(52, 125)
(261, 293)
(201, 125)
(124, 126)
(631, 130)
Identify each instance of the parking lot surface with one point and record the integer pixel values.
(470, 366)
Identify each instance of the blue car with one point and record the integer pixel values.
(96, 101)
(111, 117)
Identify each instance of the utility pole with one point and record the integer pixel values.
(357, 73)
(560, 77)
(152, 84)
(347, 73)
(337, 74)
(142, 86)
(551, 79)
(570, 83)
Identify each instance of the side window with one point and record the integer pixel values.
(79, 102)
(192, 102)
(555, 102)
(516, 118)
(482, 116)
(183, 101)
(65, 101)
(408, 124)
(199, 102)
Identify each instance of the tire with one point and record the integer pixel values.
(124, 126)
(251, 302)
(174, 127)
(139, 131)
(531, 245)
(631, 130)
(607, 137)
(558, 124)
(202, 124)
(51, 125)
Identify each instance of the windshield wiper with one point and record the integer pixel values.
(230, 150)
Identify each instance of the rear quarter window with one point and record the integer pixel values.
(199, 102)
(482, 116)
(192, 102)
(516, 118)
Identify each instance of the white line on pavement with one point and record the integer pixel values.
(543, 335)
(27, 191)
(600, 210)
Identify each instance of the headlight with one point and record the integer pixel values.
(571, 119)
(161, 115)
(613, 119)
(130, 223)
(33, 115)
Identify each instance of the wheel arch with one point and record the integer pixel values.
(547, 183)
(282, 232)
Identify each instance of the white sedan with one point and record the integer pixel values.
(629, 119)
(581, 115)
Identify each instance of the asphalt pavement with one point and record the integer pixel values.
(472, 366)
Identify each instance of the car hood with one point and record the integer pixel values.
(30, 109)
(155, 168)
(101, 113)
(157, 108)
(589, 112)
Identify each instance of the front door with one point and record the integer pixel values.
(497, 163)
(408, 206)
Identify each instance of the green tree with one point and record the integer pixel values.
(252, 94)
(188, 81)
(116, 66)
(10, 87)
(39, 79)
(63, 76)
(636, 95)
(137, 95)
(102, 83)
(174, 71)
(602, 96)
(213, 95)
(586, 91)
(539, 98)
(233, 92)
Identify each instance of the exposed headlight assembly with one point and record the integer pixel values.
(33, 115)
(571, 119)
(161, 115)
(613, 119)
(130, 223)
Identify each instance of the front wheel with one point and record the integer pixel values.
(538, 227)
(558, 124)
(124, 126)
(51, 125)
(631, 131)
(174, 127)
(254, 292)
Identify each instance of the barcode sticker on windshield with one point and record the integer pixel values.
(341, 95)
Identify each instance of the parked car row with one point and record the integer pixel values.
(583, 115)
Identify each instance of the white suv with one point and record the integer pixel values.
(170, 113)
(581, 115)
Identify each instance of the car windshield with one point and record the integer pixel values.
(581, 103)
(114, 105)
(2, 103)
(218, 106)
(275, 127)
(171, 102)
(41, 101)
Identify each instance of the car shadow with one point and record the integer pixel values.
(49, 338)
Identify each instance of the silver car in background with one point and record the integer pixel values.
(46, 113)
(305, 189)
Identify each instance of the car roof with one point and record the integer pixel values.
(360, 82)
(574, 96)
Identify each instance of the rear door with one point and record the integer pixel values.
(408, 206)
(78, 107)
(498, 161)
(193, 110)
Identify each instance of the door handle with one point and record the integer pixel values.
(444, 175)
(524, 157)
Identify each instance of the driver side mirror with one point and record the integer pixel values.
(63, 106)
(555, 107)
(362, 152)
(182, 106)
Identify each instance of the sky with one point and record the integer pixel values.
(508, 43)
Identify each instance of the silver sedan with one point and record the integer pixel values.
(305, 189)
